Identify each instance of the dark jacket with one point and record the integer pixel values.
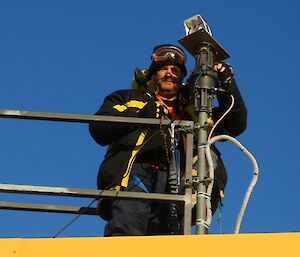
(128, 143)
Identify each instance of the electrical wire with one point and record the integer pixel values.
(220, 219)
(252, 183)
(222, 117)
(76, 217)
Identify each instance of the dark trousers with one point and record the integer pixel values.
(127, 217)
(140, 217)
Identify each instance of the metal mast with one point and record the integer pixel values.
(200, 43)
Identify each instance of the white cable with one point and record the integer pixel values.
(211, 175)
(252, 183)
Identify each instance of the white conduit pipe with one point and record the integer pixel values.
(211, 175)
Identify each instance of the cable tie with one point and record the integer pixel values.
(203, 223)
(202, 145)
(203, 194)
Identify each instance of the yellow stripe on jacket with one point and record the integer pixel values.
(140, 140)
(130, 104)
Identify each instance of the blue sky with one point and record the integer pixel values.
(66, 56)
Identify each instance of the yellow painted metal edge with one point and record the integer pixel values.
(242, 245)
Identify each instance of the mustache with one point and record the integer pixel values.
(168, 79)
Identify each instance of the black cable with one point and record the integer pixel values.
(76, 217)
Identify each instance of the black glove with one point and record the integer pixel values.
(225, 73)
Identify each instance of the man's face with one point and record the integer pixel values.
(167, 80)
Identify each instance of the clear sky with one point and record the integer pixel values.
(66, 56)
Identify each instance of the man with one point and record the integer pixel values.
(138, 157)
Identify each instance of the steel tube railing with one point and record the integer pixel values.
(98, 194)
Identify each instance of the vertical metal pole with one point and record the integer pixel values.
(188, 205)
(202, 174)
(204, 85)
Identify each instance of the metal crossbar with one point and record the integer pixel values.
(88, 193)
(98, 194)
(48, 208)
(82, 118)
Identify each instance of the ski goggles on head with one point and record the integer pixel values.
(164, 53)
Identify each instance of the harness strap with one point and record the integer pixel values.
(135, 180)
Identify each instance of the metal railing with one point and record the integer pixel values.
(185, 199)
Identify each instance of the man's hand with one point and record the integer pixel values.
(225, 73)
